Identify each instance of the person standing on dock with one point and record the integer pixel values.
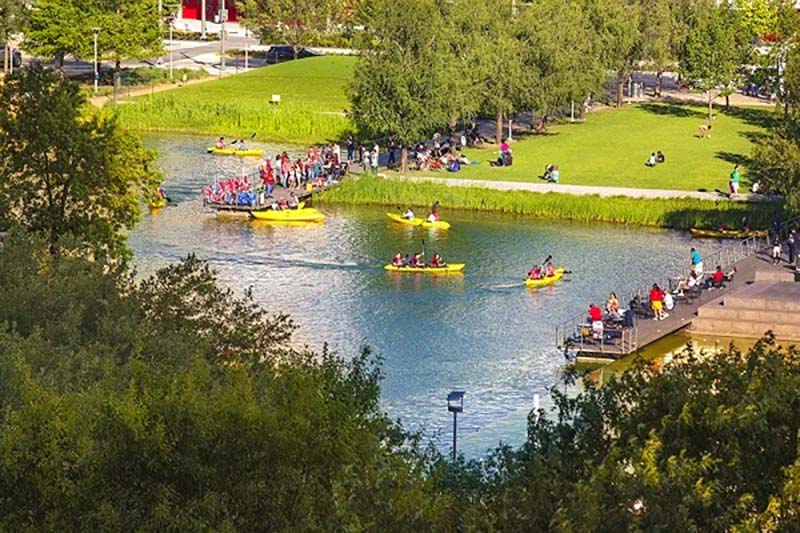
(697, 262)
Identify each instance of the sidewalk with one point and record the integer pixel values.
(581, 190)
(100, 101)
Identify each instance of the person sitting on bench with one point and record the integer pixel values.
(717, 279)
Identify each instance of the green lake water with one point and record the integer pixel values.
(482, 332)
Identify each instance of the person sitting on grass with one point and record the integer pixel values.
(651, 161)
(551, 174)
(660, 157)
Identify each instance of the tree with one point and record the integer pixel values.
(658, 33)
(616, 28)
(129, 29)
(712, 55)
(58, 28)
(68, 171)
(776, 163)
(399, 85)
(12, 19)
(294, 21)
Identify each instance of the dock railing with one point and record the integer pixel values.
(575, 334)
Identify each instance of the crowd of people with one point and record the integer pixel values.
(417, 260)
(660, 300)
(318, 167)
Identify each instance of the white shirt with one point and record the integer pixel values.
(409, 214)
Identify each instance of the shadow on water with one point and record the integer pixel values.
(759, 215)
(674, 110)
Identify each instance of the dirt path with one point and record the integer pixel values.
(100, 101)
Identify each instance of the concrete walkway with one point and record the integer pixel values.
(581, 190)
(100, 101)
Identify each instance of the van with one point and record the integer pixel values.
(16, 57)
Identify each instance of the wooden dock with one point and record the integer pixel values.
(616, 343)
(302, 195)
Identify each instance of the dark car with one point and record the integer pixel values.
(284, 52)
(16, 57)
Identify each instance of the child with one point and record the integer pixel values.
(776, 253)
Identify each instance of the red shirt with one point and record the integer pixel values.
(718, 276)
(595, 314)
(656, 295)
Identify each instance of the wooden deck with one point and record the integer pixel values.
(303, 195)
(647, 331)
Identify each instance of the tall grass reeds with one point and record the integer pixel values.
(178, 112)
(681, 213)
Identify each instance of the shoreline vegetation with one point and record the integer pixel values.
(679, 214)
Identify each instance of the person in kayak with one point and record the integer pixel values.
(417, 260)
(437, 261)
(292, 203)
(409, 214)
(220, 143)
(535, 272)
(397, 260)
(549, 270)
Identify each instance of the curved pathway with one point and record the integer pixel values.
(581, 190)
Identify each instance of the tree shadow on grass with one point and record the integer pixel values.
(674, 110)
(762, 117)
(733, 158)
(753, 136)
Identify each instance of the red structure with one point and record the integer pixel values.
(191, 9)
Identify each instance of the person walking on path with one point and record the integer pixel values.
(351, 148)
(373, 160)
(791, 243)
(734, 183)
(390, 147)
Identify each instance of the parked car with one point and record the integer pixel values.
(16, 57)
(284, 52)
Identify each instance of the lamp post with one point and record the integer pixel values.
(246, 50)
(455, 404)
(222, 16)
(171, 21)
(96, 32)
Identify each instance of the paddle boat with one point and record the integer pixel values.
(303, 214)
(450, 268)
(250, 152)
(439, 224)
(542, 282)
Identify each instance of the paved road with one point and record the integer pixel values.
(580, 190)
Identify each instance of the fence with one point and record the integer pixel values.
(575, 334)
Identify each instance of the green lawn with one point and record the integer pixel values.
(611, 147)
(311, 110)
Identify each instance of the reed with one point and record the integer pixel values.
(680, 213)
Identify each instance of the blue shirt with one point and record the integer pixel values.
(696, 257)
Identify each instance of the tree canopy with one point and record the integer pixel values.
(69, 172)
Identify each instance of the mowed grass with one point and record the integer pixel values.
(612, 145)
(312, 105)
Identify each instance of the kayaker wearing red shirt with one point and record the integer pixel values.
(657, 302)
(397, 260)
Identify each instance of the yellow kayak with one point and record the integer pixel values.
(252, 152)
(306, 214)
(157, 203)
(439, 224)
(451, 268)
(725, 234)
(545, 281)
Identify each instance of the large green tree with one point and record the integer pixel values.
(58, 28)
(712, 52)
(129, 30)
(68, 171)
(399, 85)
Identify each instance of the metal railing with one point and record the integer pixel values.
(576, 335)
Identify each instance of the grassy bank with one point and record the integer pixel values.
(611, 147)
(673, 213)
(311, 109)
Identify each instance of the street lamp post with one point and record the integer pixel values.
(455, 404)
(96, 32)
(171, 43)
(222, 16)
(246, 50)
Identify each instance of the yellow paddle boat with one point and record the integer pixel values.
(439, 224)
(252, 152)
(451, 268)
(305, 214)
(542, 282)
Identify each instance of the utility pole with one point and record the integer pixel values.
(203, 20)
(96, 32)
(246, 50)
(222, 15)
